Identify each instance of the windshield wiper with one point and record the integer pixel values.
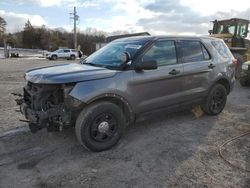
(92, 64)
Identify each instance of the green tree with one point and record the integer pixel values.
(30, 37)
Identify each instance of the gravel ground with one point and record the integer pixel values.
(174, 150)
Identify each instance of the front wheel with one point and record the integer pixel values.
(216, 100)
(100, 126)
(54, 57)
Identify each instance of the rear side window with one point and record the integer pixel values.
(222, 48)
(66, 51)
(163, 52)
(193, 51)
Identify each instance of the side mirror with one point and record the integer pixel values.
(210, 31)
(82, 60)
(125, 57)
(146, 65)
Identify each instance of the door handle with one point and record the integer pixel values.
(174, 72)
(211, 66)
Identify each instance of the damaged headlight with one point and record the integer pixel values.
(69, 100)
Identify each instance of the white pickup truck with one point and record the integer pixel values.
(69, 54)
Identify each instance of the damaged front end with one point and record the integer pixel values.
(48, 106)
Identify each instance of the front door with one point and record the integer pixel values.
(159, 88)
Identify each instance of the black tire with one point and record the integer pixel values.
(100, 126)
(72, 57)
(216, 100)
(243, 82)
(54, 57)
(240, 62)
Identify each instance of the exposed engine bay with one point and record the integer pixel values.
(47, 106)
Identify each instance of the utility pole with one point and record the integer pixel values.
(75, 17)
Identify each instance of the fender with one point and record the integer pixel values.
(90, 91)
(94, 90)
(223, 79)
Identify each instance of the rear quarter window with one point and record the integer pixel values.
(222, 48)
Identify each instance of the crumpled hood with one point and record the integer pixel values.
(67, 73)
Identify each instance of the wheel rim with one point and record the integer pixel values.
(218, 101)
(104, 127)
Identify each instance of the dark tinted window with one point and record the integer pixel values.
(191, 51)
(163, 52)
(66, 51)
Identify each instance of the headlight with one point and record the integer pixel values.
(245, 67)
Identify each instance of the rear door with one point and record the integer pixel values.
(198, 69)
(156, 89)
(66, 53)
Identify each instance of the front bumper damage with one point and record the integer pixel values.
(40, 117)
(47, 106)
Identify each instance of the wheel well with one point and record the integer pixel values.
(122, 104)
(225, 83)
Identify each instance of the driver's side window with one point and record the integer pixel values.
(163, 52)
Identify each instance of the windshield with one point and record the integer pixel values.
(226, 28)
(110, 56)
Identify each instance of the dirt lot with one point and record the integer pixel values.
(175, 150)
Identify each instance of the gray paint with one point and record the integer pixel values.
(143, 90)
(67, 73)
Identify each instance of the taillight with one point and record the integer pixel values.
(235, 61)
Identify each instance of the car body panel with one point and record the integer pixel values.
(152, 88)
(143, 91)
(67, 73)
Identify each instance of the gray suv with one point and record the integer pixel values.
(125, 80)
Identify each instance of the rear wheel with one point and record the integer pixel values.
(243, 82)
(216, 100)
(100, 126)
(72, 57)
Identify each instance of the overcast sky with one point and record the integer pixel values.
(153, 16)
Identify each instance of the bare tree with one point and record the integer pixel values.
(2, 25)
